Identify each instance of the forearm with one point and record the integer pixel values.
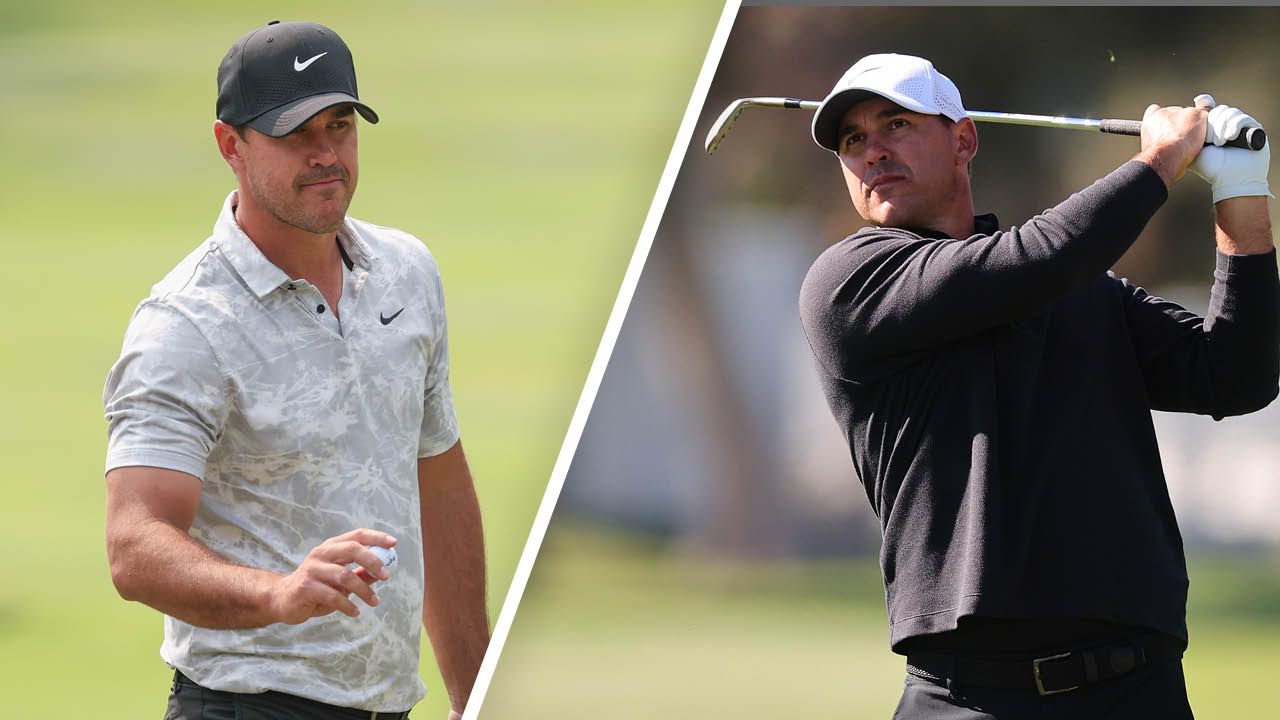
(454, 595)
(1243, 330)
(1081, 237)
(159, 565)
(1243, 226)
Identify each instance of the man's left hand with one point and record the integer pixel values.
(1232, 172)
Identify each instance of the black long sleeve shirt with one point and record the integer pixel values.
(996, 395)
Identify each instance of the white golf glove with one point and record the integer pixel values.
(1231, 172)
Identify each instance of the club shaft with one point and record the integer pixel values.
(1252, 138)
(1069, 123)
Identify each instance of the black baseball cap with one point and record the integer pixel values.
(277, 77)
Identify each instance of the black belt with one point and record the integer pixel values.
(1049, 674)
(313, 707)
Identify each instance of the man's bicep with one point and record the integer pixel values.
(138, 493)
(445, 468)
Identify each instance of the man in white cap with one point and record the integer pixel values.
(280, 419)
(996, 388)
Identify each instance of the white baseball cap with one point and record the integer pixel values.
(909, 81)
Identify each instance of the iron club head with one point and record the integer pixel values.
(723, 124)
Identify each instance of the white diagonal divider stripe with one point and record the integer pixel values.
(620, 306)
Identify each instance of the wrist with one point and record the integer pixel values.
(266, 598)
(1162, 163)
(1240, 189)
(1243, 226)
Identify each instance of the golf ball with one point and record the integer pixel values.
(386, 555)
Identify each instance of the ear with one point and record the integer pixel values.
(230, 144)
(966, 136)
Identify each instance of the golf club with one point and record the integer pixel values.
(1252, 138)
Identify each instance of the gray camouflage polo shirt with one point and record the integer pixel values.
(300, 427)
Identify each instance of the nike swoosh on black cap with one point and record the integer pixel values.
(260, 83)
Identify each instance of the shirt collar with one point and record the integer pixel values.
(260, 274)
(985, 224)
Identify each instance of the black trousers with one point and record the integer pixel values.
(189, 701)
(1156, 690)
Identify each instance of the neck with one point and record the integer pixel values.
(958, 227)
(955, 219)
(300, 254)
(955, 226)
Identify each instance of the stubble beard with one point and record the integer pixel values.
(910, 209)
(289, 209)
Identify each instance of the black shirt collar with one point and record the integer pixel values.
(985, 224)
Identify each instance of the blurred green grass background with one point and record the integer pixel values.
(521, 141)
(623, 626)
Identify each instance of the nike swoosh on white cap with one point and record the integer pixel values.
(300, 66)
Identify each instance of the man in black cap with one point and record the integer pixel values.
(281, 429)
(996, 386)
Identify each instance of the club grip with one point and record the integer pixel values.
(1251, 139)
(1121, 127)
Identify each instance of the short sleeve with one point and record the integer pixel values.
(165, 400)
(439, 422)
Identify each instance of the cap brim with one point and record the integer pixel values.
(283, 120)
(826, 121)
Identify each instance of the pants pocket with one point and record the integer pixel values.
(188, 702)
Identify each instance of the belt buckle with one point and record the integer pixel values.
(1035, 669)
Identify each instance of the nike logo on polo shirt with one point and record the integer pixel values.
(300, 66)
(387, 320)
